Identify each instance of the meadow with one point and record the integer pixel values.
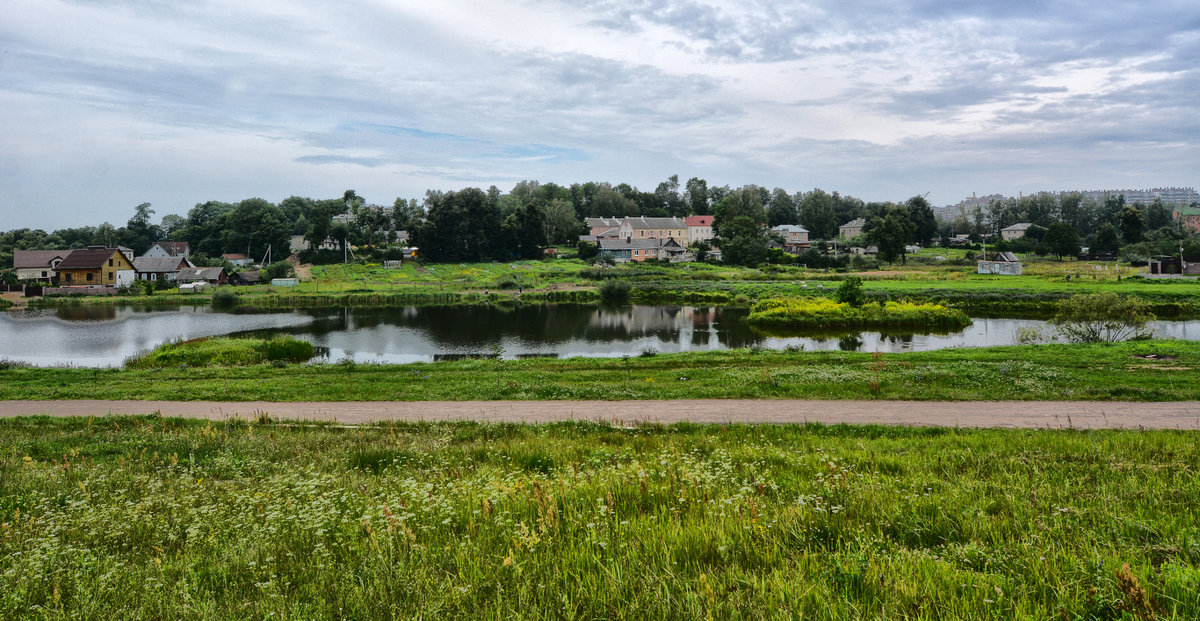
(147, 517)
(1164, 370)
(951, 282)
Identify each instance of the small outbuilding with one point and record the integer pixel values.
(1003, 263)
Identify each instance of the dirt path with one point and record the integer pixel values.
(16, 297)
(999, 414)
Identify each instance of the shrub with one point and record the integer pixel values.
(615, 291)
(507, 282)
(850, 291)
(224, 297)
(1103, 318)
(278, 269)
(826, 313)
(287, 349)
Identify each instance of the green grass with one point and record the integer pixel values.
(1042, 372)
(224, 352)
(161, 518)
(569, 280)
(827, 313)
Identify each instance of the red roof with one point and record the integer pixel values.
(699, 220)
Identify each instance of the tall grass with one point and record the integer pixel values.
(224, 352)
(161, 518)
(826, 313)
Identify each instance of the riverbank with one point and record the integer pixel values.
(164, 518)
(1136, 371)
(1034, 294)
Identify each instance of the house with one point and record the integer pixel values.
(96, 266)
(630, 249)
(1016, 231)
(610, 233)
(244, 278)
(642, 227)
(1003, 263)
(699, 228)
(238, 259)
(160, 268)
(165, 249)
(853, 228)
(210, 275)
(1189, 217)
(595, 225)
(38, 264)
(795, 237)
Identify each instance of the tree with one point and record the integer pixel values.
(1107, 240)
(559, 221)
(1132, 223)
(696, 194)
(1103, 318)
(138, 233)
(850, 291)
(406, 214)
(924, 222)
(459, 226)
(171, 223)
(743, 202)
(891, 233)
(781, 209)
(1062, 240)
(1157, 215)
(817, 214)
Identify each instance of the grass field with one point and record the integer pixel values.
(1136, 371)
(161, 518)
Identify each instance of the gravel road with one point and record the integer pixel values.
(995, 414)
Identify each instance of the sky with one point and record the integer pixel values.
(105, 104)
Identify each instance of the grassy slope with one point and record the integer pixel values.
(1049, 372)
(152, 518)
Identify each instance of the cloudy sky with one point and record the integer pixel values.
(109, 103)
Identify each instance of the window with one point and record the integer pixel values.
(110, 262)
(43, 274)
(68, 278)
(110, 276)
(89, 276)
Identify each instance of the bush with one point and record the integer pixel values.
(826, 313)
(1103, 318)
(278, 269)
(615, 291)
(586, 250)
(850, 291)
(224, 298)
(507, 282)
(287, 349)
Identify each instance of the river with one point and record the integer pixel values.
(104, 336)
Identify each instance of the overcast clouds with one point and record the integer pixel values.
(107, 104)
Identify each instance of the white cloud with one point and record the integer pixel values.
(110, 104)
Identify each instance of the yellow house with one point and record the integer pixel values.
(95, 265)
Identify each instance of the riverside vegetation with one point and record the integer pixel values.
(163, 518)
(1131, 371)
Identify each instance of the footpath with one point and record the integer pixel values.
(974, 414)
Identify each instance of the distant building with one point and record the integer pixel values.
(168, 249)
(642, 227)
(853, 228)
(699, 228)
(159, 268)
(39, 265)
(238, 259)
(96, 266)
(1189, 217)
(795, 237)
(1016, 231)
(1003, 263)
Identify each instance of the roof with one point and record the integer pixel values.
(698, 220)
(248, 276)
(173, 248)
(857, 222)
(199, 273)
(612, 232)
(159, 265)
(89, 258)
(234, 256)
(642, 222)
(1006, 257)
(36, 258)
(595, 222)
(630, 244)
(1020, 226)
(789, 228)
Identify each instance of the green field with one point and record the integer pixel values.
(952, 282)
(1135, 371)
(160, 518)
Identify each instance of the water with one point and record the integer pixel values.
(105, 336)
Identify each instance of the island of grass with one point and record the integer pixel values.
(224, 352)
(802, 313)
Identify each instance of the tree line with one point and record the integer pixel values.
(474, 224)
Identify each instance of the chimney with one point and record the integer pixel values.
(629, 240)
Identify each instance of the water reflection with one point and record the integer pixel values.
(106, 335)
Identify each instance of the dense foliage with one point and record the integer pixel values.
(163, 518)
(826, 313)
(224, 352)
